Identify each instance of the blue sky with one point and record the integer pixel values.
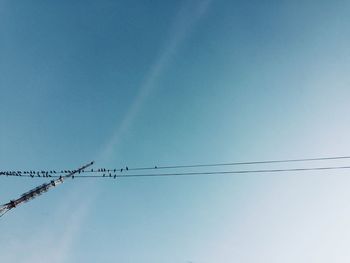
(144, 83)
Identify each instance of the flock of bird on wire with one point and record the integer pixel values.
(191, 169)
(54, 173)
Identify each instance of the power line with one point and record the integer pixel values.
(225, 172)
(241, 163)
(211, 172)
(51, 173)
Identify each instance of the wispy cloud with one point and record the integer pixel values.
(185, 21)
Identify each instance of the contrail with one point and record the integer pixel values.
(187, 18)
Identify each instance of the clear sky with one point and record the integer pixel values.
(143, 83)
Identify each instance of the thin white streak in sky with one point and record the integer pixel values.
(61, 253)
(187, 18)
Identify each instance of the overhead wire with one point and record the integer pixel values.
(51, 173)
(209, 172)
(240, 163)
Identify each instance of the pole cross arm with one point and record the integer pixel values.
(39, 190)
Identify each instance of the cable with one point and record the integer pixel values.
(229, 172)
(213, 172)
(45, 173)
(240, 163)
(2, 213)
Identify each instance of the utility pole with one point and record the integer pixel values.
(33, 193)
